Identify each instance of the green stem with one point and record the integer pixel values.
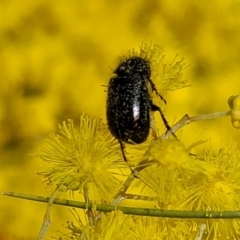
(131, 210)
(46, 219)
(185, 120)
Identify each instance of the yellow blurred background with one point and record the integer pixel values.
(55, 55)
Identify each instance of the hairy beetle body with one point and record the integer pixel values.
(129, 102)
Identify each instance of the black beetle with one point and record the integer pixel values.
(129, 102)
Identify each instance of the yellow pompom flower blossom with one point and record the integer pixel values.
(165, 77)
(152, 228)
(114, 225)
(218, 193)
(80, 229)
(234, 104)
(87, 159)
(170, 166)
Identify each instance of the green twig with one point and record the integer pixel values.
(46, 219)
(131, 210)
(185, 120)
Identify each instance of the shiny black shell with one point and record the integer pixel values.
(129, 102)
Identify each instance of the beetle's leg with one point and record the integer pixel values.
(156, 108)
(155, 90)
(125, 159)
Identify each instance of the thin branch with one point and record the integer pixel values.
(130, 210)
(139, 197)
(122, 191)
(185, 120)
(46, 219)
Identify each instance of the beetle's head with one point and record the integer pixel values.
(134, 65)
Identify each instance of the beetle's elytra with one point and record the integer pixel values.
(129, 102)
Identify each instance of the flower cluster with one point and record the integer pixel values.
(89, 159)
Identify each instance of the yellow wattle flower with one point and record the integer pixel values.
(85, 159)
(234, 104)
